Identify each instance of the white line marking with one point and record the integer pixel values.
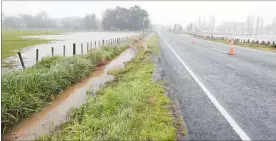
(230, 120)
(220, 50)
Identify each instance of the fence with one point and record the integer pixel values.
(244, 40)
(112, 41)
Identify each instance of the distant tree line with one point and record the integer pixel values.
(40, 20)
(133, 18)
(120, 18)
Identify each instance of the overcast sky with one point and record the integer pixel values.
(161, 12)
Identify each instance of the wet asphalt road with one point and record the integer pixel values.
(244, 85)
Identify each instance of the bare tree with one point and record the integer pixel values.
(199, 24)
(274, 25)
(261, 25)
(212, 24)
(250, 24)
(190, 28)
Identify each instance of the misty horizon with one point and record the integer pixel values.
(182, 12)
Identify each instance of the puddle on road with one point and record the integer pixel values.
(87, 39)
(57, 112)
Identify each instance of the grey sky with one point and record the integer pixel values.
(161, 12)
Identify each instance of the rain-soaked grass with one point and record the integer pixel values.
(265, 47)
(12, 41)
(25, 92)
(132, 107)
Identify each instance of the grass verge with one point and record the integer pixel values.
(11, 40)
(132, 107)
(25, 92)
(271, 48)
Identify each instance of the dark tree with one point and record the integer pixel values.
(133, 18)
(90, 22)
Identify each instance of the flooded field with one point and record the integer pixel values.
(88, 39)
(57, 112)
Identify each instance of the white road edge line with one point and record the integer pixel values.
(220, 50)
(230, 120)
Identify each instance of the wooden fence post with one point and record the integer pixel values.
(95, 44)
(63, 50)
(52, 51)
(90, 45)
(36, 55)
(21, 60)
(103, 42)
(74, 48)
(81, 49)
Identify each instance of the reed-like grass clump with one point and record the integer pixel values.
(25, 92)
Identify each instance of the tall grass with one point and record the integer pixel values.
(133, 107)
(24, 92)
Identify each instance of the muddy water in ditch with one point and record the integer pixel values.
(57, 112)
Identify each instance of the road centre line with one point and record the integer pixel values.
(220, 50)
(226, 115)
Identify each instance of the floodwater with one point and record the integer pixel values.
(57, 112)
(87, 39)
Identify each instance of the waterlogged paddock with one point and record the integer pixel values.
(57, 112)
(67, 40)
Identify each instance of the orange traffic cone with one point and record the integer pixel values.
(231, 49)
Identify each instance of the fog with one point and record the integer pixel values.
(251, 17)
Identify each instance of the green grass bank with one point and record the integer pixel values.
(132, 107)
(25, 92)
(265, 47)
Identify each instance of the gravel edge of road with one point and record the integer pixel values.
(159, 74)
